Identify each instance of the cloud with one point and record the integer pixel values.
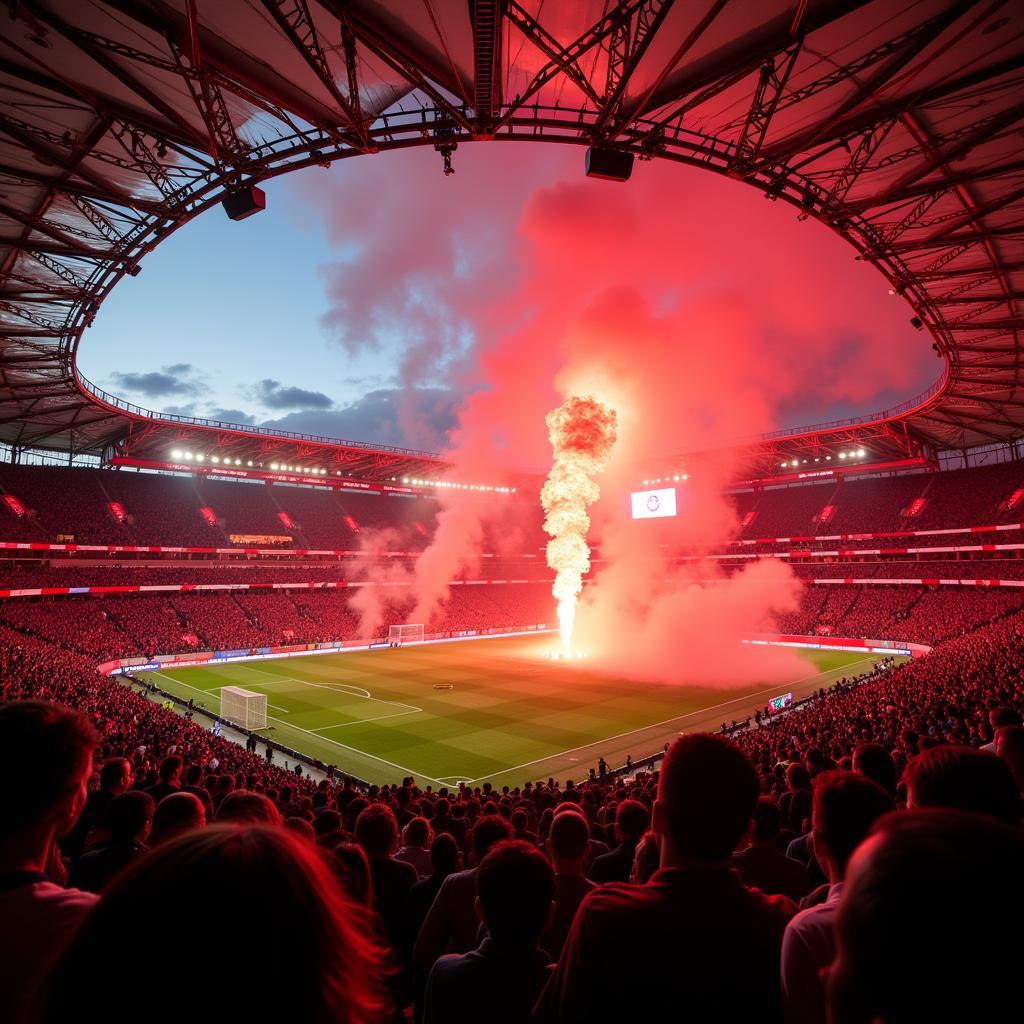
(415, 418)
(171, 380)
(231, 416)
(274, 395)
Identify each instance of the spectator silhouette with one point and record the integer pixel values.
(507, 971)
(918, 927)
(714, 942)
(845, 807)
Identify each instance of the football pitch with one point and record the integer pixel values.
(506, 714)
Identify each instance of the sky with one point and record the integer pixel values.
(377, 300)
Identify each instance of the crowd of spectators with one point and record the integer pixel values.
(781, 876)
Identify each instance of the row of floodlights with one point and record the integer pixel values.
(668, 479)
(277, 467)
(182, 456)
(859, 453)
(452, 485)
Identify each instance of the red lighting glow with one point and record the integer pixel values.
(117, 511)
(209, 516)
(286, 520)
(14, 505)
(351, 524)
(826, 514)
(915, 508)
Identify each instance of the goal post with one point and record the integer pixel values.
(244, 707)
(405, 633)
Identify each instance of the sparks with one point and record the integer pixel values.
(582, 433)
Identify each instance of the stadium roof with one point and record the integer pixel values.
(898, 124)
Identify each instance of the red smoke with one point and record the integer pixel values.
(696, 310)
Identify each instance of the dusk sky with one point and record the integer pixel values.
(360, 303)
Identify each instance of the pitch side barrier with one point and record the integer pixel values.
(839, 643)
(194, 658)
(188, 588)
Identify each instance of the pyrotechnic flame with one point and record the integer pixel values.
(582, 433)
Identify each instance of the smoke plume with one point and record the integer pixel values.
(582, 433)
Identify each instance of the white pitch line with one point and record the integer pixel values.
(667, 721)
(284, 711)
(343, 688)
(363, 721)
(327, 739)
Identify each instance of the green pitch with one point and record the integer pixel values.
(510, 715)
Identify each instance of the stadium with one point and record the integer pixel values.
(512, 582)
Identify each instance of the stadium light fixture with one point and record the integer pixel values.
(842, 455)
(200, 457)
(862, 453)
(187, 456)
(175, 454)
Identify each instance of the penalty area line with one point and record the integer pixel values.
(209, 693)
(667, 721)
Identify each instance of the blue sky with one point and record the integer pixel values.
(358, 303)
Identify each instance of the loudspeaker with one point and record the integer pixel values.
(609, 164)
(244, 203)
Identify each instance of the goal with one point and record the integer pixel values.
(243, 707)
(405, 634)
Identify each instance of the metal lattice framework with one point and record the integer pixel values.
(897, 124)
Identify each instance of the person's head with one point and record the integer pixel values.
(353, 871)
(116, 775)
(797, 776)
(569, 842)
(767, 822)
(918, 927)
(845, 807)
(488, 830)
(874, 762)
(170, 769)
(417, 833)
(246, 808)
(300, 827)
(646, 859)
(963, 779)
(129, 816)
(444, 855)
(261, 884)
(326, 823)
(49, 748)
(377, 831)
(632, 820)
(706, 796)
(1010, 748)
(998, 717)
(175, 814)
(520, 820)
(515, 892)
(193, 774)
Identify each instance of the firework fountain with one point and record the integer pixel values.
(583, 433)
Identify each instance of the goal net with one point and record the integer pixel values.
(405, 633)
(243, 707)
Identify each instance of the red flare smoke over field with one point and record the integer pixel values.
(582, 433)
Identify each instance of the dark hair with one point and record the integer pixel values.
(516, 885)
(444, 854)
(113, 771)
(57, 742)
(127, 814)
(964, 779)
(915, 932)
(245, 807)
(326, 821)
(376, 830)
(797, 776)
(176, 813)
(998, 717)
(632, 820)
(170, 765)
(874, 762)
(353, 871)
(279, 891)
(846, 805)
(569, 836)
(488, 830)
(708, 789)
(417, 831)
(767, 819)
(647, 858)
